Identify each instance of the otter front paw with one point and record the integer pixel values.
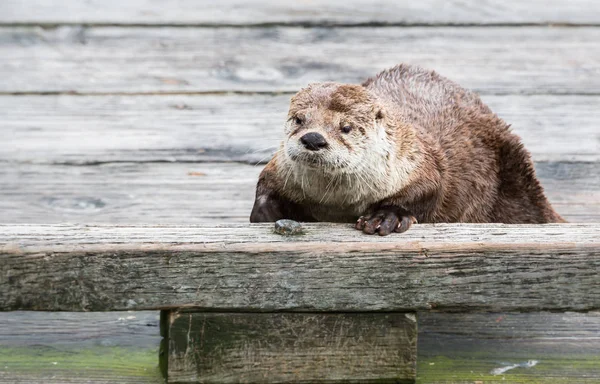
(266, 209)
(271, 207)
(386, 221)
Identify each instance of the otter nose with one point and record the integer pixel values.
(313, 141)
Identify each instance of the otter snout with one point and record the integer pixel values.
(313, 141)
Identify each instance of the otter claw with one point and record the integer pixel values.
(384, 222)
(405, 223)
(360, 223)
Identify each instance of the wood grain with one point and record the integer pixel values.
(128, 193)
(239, 12)
(34, 238)
(559, 347)
(207, 193)
(496, 60)
(59, 347)
(82, 130)
(333, 268)
(462, 347)
(292, 347)
(63, 330)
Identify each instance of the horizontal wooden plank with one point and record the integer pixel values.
(114, 347)
(451, 347)
(128, 193)
(22, 239)
(68, 330)
(178, 193)
(82, 130)
(113, 59)
(292, 348)
(491, 267)
(239, 12)
(509, 348)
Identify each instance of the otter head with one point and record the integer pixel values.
(334, 127)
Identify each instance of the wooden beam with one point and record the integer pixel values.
(239, 12)
(495, 60)
(292, 347)
(332, 268)
(71, 129)
(177, 193)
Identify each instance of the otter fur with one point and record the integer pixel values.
(406, 146)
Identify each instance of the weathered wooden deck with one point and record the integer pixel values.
(243, 304)
(148, 112)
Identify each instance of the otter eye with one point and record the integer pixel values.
(298, 120)
(346, 128)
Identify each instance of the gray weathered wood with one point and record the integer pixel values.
(115, 347)
(208, 193)
(462, 347)
(64, 330)
(128, 193)
(466, 348)
(160, 193)
(292, 347)
(82, 130)
(240, 12)
(113, 59)
(332, 268)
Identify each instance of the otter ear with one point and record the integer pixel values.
(379, 114)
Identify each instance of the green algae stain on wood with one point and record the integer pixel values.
(567, 370)
(97, 364)
(64, 347)
(509, 348)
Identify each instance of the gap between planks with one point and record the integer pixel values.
(298, 25)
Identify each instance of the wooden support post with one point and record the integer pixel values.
(291, 347)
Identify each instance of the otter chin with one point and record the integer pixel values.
(406, 146)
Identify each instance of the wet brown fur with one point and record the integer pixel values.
(469, 166)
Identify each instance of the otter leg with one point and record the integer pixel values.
(386, 220)
(266, 209)
(271, 207)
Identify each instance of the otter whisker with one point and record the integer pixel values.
(338, 183)
(261, 161)
(366, 183)
(327, 188)
(268, 156)
(302, 185)
(289, 173)
(263, 149)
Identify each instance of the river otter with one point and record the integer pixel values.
(406, 146)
